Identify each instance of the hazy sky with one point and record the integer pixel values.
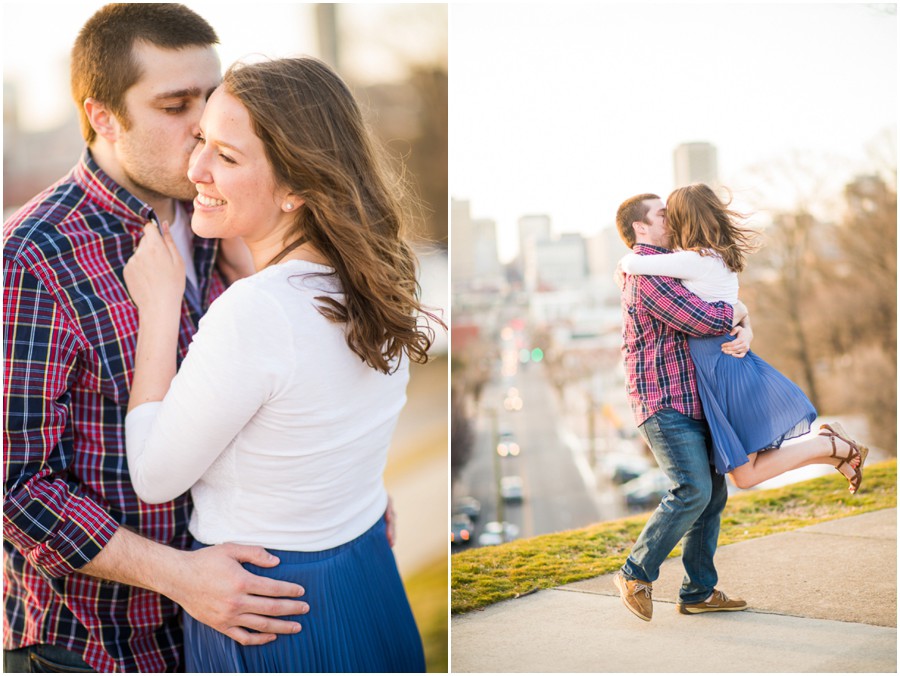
(380, 39)
(568, 110)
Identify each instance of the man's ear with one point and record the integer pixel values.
(639, 227)
(102, 120)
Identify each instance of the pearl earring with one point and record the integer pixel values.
(288, 206)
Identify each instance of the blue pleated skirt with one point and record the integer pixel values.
(749, 405)
(359, 618)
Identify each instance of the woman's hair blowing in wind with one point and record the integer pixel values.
(319, 147)
(700, 221)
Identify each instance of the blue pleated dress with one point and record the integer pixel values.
(359, 618)
(749, 405)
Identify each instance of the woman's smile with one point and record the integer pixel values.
(206, 201)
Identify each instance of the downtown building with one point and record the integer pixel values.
(475, 261)
(696, 163)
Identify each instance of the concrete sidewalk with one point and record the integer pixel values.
(822, 599)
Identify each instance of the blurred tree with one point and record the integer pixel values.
(461, 435)
(782, 308)
(823, 301)
(410, 118)
(472, 367)
(863, 316)
(428, 154)
(863, 280)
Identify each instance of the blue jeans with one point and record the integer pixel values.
(691, 509)
(44, 659)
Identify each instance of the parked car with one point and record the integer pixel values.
(461, 530)
(490, 539)
(648, 489)
(623, 467)
(495, 533)
(468, 506)
(511, 489)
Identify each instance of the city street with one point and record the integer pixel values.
(560, 490)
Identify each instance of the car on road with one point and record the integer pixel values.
(507, 445)
(513, 402)
(511, 489)
(495, 533)
(461, 530)
(468, 506)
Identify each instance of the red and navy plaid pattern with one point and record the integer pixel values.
(69, 332)
(658, 314)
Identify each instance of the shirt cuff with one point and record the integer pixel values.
(729, 315)
(84, 534)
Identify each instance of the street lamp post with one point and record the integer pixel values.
(592, 449)
(495, 439)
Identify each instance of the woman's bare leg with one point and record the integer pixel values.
(813, 450)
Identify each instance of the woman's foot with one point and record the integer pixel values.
(846, 467)
(846, 454)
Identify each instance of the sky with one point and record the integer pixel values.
(568, 110)
(380, 40)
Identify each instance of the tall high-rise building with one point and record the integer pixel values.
(475, 261)
(560, 263)
(603, 252)
(533, 228)
(696, 163)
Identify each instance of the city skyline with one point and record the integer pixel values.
(568, 114)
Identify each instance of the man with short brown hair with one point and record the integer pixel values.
(658, 314)
(94, 576)
(631, 211)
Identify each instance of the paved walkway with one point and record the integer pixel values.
(417, 474)
(822, 599)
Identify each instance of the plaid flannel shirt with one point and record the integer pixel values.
(69, 335)
(658, 314)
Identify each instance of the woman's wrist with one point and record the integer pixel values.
(155, 356)
(160, 316)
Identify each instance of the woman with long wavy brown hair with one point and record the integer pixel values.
(280, 417)
(751, 408)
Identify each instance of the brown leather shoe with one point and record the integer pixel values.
(717, 603)
(636, 595)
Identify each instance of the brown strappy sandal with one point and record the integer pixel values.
(836, 430)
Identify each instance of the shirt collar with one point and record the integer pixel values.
(108, 195)
(649, 249)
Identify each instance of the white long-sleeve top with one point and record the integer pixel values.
(279, 430)
(704, 275)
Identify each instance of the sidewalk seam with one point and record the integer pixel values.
(755, 611)
(836, 535)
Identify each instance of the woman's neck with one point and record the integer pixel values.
(264, 256)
